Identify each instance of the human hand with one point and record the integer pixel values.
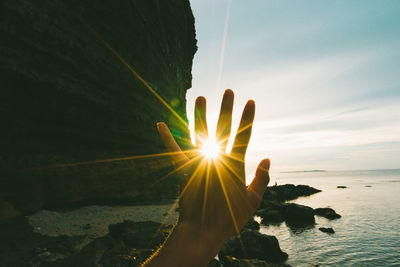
(214, 202)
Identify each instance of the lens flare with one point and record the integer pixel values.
(210, 148)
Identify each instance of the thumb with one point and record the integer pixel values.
(257, 187)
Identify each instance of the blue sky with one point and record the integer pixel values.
(325, 76)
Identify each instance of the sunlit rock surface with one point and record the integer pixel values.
(66, 98)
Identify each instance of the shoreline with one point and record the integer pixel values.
(94, 220)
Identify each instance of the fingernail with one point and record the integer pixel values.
(158, 125)
(266, 164)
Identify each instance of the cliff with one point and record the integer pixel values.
(67, 100)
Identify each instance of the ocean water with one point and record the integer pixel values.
(368, 234)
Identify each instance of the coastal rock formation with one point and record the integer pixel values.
(327, 213)
(257, 246)
(252, 225)
(327, 230)
(288, 192)
(299, 214)
(76, 118)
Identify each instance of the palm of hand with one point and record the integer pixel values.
(214, 198)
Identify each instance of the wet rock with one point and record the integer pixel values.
(288, 192)
(299, 214)
(327, 230)
(270, 216)
(252, 225)
(341, 186)
(256, 245)
(327, 213)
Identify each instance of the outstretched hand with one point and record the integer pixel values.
(214, 201)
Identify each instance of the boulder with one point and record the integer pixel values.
(252, 225)
(327, 213)
(214, 263)
(327, 230)
(140, 235)
(299, 214)
(341, 186)
(270, 216)
(256, 246)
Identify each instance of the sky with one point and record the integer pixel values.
(325, 76)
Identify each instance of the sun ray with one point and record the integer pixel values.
(61, 165)
(222, 55)
(146, 84)
(228, 202)
(205, 192)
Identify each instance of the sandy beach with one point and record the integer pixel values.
(93, 221)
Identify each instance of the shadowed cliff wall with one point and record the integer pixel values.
(66, 98)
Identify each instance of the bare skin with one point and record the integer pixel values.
(214, 202)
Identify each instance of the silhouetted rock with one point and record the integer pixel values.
(327, 230)
(214, 263)
(74, 116)
(140, 235)
(288, 192)
(257, 246)
(252, 225)
(327, 213)
(299, 214)
(341, 186)
(270, 216)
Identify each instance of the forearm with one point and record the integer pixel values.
(186, 246)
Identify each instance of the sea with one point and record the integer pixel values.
(368, 234)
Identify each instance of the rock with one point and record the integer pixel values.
(270, 216)
(140, 235)
(234, 262)
(7, 210)
(327, 230)
(214, 263)
(288, 192)
(257, 246)
(368, 186)
(327, 213)
(341, 186)
(77, 118)
(252, 225)
(299, 214)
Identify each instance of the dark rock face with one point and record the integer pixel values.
(288, 192)
(67, 98)
(327, 213)
(270, 216)
(256, 245)
(252, 225)
(327, 230)
(299, 214)
(127, 244)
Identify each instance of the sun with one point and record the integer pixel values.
(210, 148)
